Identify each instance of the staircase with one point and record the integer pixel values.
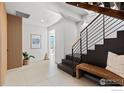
(67, 64)
(89, 49)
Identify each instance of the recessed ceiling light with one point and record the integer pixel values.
(42, 20)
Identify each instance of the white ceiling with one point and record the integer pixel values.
(46, 14)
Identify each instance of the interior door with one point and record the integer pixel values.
(14, 45)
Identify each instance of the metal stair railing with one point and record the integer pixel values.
(99, 29)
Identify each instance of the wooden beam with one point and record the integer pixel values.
(107, 11)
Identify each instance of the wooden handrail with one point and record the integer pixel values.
(107, 11)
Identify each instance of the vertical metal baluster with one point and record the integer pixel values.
(103, 27)
(80, 48)
(86, 39)
(73, 60)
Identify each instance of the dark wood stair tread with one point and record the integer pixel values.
(67, 62)
(66, 68)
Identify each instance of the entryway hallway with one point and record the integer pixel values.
(43, 73)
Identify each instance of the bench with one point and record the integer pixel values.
(98, 71)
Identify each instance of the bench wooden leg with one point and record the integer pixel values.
(78, 74)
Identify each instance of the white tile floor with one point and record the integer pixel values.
(43, 73)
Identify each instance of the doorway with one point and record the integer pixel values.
(52, 45)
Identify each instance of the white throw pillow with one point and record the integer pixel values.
(112, 59)
(120, 59)
(115, 64)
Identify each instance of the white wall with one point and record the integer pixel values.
(70, 35)
(65, 37)
(29, 29)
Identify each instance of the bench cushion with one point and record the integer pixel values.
(100, 72)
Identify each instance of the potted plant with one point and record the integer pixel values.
(26, 58)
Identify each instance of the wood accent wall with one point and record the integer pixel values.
(3, 43)
(14, 35)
